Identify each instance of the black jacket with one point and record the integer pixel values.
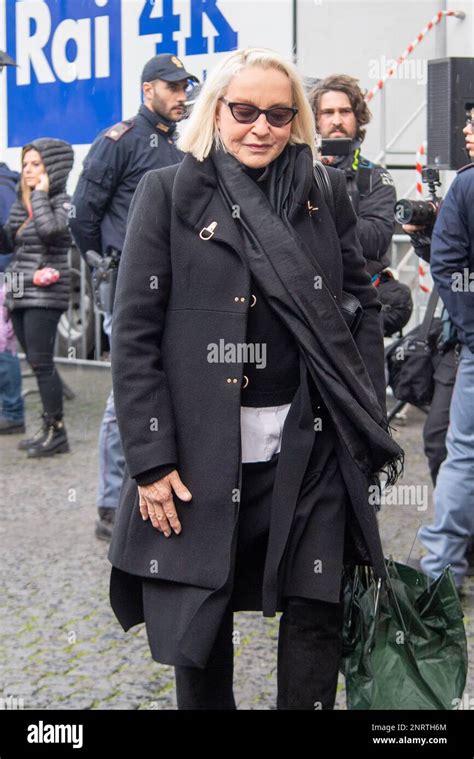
(45, 238)
(8, 183)
(116, 162)
(373, 195)
(8, 192)
(452, 254)
(176, 294)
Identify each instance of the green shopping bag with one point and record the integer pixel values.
(404, 643)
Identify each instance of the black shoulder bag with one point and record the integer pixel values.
(351, 307)
(409, 360)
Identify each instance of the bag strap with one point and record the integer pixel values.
(323, 184)
(351, 306)
(429, 314)
(364, 180)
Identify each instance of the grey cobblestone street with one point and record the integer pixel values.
(61, 646)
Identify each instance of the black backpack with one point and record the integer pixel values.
(395, 297)
(410, 359)
(397, 303)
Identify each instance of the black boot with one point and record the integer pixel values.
(309, 653)
(105, 523)
(38, 437)
(55, 440)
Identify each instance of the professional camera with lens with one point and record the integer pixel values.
(421, 213)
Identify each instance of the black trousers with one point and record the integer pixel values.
(309, 653)
(35, 329)
(310, 633)
(437, 421)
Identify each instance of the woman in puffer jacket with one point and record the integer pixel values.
(37, 233)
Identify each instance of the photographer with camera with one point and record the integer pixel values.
(341, 114)
(452, 268)
(117, 160)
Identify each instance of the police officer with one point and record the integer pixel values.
(117, 160)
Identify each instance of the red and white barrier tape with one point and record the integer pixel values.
(429, 26)
(421, 152)
(425, 281)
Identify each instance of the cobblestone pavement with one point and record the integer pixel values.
(61, 645)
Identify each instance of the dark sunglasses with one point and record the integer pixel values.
(244, 113)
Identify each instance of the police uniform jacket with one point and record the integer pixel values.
(112, 169)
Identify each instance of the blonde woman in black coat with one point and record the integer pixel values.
(252, 419)
(37, 232)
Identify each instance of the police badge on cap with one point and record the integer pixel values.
(166, 67)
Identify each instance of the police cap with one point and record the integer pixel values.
(167, 67)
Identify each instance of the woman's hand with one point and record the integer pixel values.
(43, 183)
(156, 502)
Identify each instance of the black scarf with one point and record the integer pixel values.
(285, 270)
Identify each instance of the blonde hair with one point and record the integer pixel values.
(201, 131)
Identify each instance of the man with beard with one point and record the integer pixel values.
(117, 160)
(340, 110)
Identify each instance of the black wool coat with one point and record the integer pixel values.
(180, 289)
